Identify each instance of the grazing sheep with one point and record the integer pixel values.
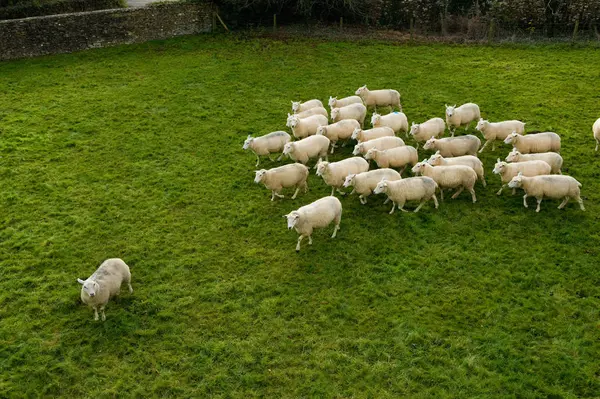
(267, 144)
(528, 168)
(469, 160)
(551, 158)
(105, 283)
(549, 186)
(334, 173)
(302, 128)
(453, 176)
(433, 127)
(398, 157)
(310, 112)
(352, 111)
(498, 130)
(364, 183)
(305, 149)
(397, 121)
(341, 130)
(383, 98)
(461, 116)
(596, 130)
(292, 175)
(335, 103)
(454, 146)
(361, 135)
(315, 215)
(298, 106)
(539, 142)
(382, 143)
(412, 189)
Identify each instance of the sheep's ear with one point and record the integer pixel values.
(80, 281)
(446, 105)
(520, 174)
(285, 216)
(437, 152)
(498, 160)
(292, 102)
(454, 106)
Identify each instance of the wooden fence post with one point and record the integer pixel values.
(491, 31)
(341, 23)
(274, 22)
(412, 26)
(575, 30)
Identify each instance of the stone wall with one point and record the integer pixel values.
(30, 37)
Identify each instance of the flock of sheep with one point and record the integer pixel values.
(533, 165)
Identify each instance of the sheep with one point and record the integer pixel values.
(267, 144)
(105, 283)
(305, 149)
(539, 142)
(334, 173)
(397, 121)
(307, 113)
(302, 128)
(596, 130)
(384, 98)
(352, 111)
(452, 176)
(461, 116)
(341, 130)
(292, 175)
(498, 130)
(509, 170)
(335, 103)
(315, 215)
(551, 158)
(298, 106)
(398, 157)
(433, 127)
(361, 135)
(469, 160)
(454, 146)
(364, 183)
(382, 143)
(549, 186)
(414, 188)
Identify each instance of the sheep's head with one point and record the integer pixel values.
(516, 181)
(370, 154)
(332, 101)
(450, 110)
(322, 167)
(355, 133)
(322, 130)
(334, 113)
(357, 149)
(292, 219)
(419, 167)
(499, 167)
(481, 124)
(248, 142)
(288, 122)
(414, 128)
(361, 91)
(288, 148)
(511, 138)
(381, 187)
(429, 144)
(295, 106)
(436, 159)
(513, 156)
(375, 119)
(259, 175)
(293, 121)
(349, 180)
(90, 287)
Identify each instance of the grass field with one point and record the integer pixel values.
(135, 152)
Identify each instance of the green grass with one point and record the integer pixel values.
(135, 152)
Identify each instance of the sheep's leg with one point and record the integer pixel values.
(467, 127)
(280, 157)
(393, 207)
(102, 312)
(305, 187)
(332, 191)
(435, 201)
(501, 188)
(597, 142)
(484, 145)
(335, 229)
(472, 191)
(442, 194)
(340, 191)
(417, 145)
(452, 132)
(310, 239)
(95, 314)
(271, 158)
(514, 191)
(130, 287)
(299, 240)
(494, 145)
(539, 201)
(420, 205)
(580, 203)
(483, 181)
(296, 192)
(257, 160)
(402, 171)
(562, 204)
(457, 193)
(275, 193)
(525, 201)
(386, 200)
(362, 199)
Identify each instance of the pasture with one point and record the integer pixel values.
(135, 152)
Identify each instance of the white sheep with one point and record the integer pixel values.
(548, 186)
(302, 128)
(528, 168)
(551, 158)
(539, 142)
(315, 215)
(453, 176)
(334, 173)
(461, 116)
(454, 146)
(361, 135)
(412, 189)
(398, 157)
(267, 144)
(292, 175)
(382, 98)
(105, 283)
(341, 130)
(364, 183)
(596, 130)
(493, 131)
(469, 160)
(397, 121)
(307, 113)
(382, 143)
(433, 127)
(352, 111)
(342, 102)
(298, 106)
(307, 148)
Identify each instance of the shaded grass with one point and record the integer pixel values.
(136, 152)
